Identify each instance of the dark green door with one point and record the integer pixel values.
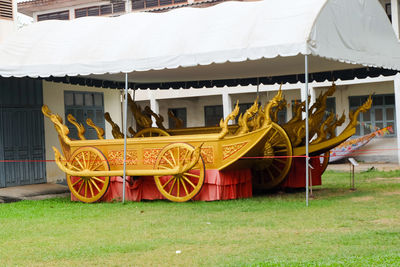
(22, 147)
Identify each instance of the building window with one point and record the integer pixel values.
(6, 10)
(330, 107)
(119, 7)
(100, 10)
(213, 115)
(62, 15)
(143, 4)
(388, 9)
(381, 114)
(179, 113)
(84, 105)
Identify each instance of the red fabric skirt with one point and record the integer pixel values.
(218, 185)
(297, 174)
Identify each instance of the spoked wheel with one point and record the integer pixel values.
(151, 132)
(88, 189)
(184, 186)
(275, 167)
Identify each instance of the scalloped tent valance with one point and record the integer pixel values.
(229, 40)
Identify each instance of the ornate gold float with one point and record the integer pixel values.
(178, 158)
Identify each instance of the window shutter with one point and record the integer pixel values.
(6, 10)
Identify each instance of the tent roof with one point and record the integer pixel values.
(229, 40)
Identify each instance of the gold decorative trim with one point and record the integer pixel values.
(150, 155)
(229, 150)
(116, 157)
(208, 154)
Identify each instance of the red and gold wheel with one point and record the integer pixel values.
(151, 132)
(183, 186)
(278, 152)
(88, 189)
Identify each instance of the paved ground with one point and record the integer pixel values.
(43, 191)
(32, 192)
(364, 167)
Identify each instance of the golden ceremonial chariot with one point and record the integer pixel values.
(178, 158)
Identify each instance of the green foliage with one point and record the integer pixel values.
(339, 228)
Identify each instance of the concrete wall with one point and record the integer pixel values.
(53, 96)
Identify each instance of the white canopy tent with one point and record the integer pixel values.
(229, 40)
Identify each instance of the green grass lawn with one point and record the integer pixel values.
(339, 228)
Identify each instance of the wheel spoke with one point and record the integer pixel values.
(170, 179)
(98, 179)
(184, 186)
(169, 162)
(281, 161)
(88, 160)
(172, 156)
(282, 150)
(92, 163)
(270, 174)
(184, 157)
(80, 179)
(76, 168)
(163, 167)
(80, 188)
(84, 160)
(177, 187)
(276, 144)
(188, 181)
(85, 188)
(172, 186)
(91, 188)
(98, 166)
(95, 185)
(276, 168)
(191, 174)
(273, 135)
(79, 162)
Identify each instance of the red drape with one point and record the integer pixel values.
(218, 185)
(297, 175)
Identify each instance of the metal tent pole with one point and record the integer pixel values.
(125, 127)
(307, 138)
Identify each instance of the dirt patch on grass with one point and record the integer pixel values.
(362, 199)
(386, 221)
(391, 193)
(385, 180)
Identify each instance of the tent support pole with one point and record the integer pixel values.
(306, 120)
(125, 127)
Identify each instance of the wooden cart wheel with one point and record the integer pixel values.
(279, 152)
(184, 186)
(88, 189)
(151, 132)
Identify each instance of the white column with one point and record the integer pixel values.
(312, 94)
(128, 6)
(397, 100)
(154, 107)
(394, 4)
(227, 105)
(304, 95)
(72, 13)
